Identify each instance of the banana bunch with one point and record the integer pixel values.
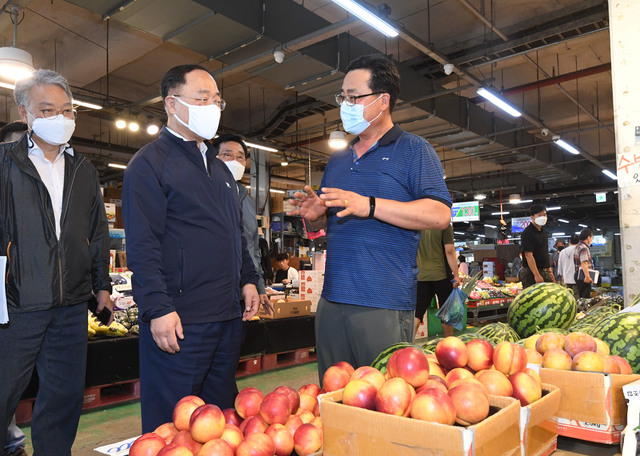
(115, 329)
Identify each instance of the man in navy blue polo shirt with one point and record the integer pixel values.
(375, 197)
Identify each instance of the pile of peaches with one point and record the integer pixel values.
(576, 351)
(452, 386)
(260, 425)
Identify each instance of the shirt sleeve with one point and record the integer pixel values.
(527, 241)
(447, 235)
(292, 274)
(426, 178)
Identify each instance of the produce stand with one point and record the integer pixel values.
(487, 310)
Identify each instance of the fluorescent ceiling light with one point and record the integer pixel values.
(153, 129)
(582, 225)
(121, 123)
(609, 174)
(554, 208)
(489, 226)
(7, 86)
(480, 235)
(558, 234)
(258, 146)
(86, 104)
(499, 102)
(480, 196)
(117, 165)
(15, 64)
(566, 146)
(458, 232)
(598, 229)
(284, 163)
(273, 190)
(616, 234)
(563, 220)
(367, 16)
(134, 126)
(500, 213)
(521, 201)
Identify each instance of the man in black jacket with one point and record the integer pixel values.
(189, 258)
(54, 233)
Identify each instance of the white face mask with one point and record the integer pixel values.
(541, 221)
(236, 168)
(203, 120)
(55, 130)
(353, 119)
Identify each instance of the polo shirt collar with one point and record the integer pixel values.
(390, 136)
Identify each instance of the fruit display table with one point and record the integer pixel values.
(487, 310)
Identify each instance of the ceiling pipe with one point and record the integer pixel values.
(558, 79)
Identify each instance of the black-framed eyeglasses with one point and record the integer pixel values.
(205, 101)
(51, 114)
(228, 156)
(351, 99)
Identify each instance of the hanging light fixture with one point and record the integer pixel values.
(480, 196)
(338, 140)
(15, 63)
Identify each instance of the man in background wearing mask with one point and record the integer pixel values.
(536, 267)
(189, 258)
(375, 198)
(583, 263)
(233, 152)
(57, 254)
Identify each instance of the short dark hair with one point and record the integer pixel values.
(585, 234)
(230, 137)
(574, 239)
(536, 208)
(384, 75)
(14, 127)
(462, 259)
(175, 77)
(282, 256)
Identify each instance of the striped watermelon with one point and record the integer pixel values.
(497, 332)
(382, 359)
(431, 344)
(543, 305)
(621, 332)
(562, 331)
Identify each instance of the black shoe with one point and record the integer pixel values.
(19, 452)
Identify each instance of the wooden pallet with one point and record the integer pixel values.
(249, 366)
(288, 358)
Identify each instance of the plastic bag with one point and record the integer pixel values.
(452, 311)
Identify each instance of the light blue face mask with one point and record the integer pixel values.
(353, 119)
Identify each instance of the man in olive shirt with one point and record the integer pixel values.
(437, 271)
(536, 267)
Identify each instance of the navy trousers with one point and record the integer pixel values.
(205, 366)
(54, 342)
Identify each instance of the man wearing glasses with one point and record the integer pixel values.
(55, 240)
(189, 258)
(374, 199)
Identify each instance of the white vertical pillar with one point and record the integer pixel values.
(624, 31)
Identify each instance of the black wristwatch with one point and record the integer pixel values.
(372, 206)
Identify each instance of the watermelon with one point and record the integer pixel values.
(382, 359)
(543, 305)
(470, 336)
(621, 332)
(497, 332)
(431, 344)
(562, 331)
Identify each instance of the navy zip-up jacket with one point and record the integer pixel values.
(184, 233)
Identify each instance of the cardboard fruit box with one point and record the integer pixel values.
(287, 308)
(592, 404)
(355, 431)
(538, 429)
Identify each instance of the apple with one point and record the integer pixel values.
(533, 357)
(436, 369)
(307, 402)
(549, 340)
(168, 431)
(183, 438)
(577, 342)
(556, 358)
(411, 364)
(293, 423)
(480, 354)
(307, 440)
(275, 408)
(452, 352)
(207, 423)
(175, 450)
(623, 364)
(588, 361)
(294, 397)
(509, 358)
(433, 405)
(348, 368)
(335, 378)
(470, 380)
(394, 398)
(495, 382)
(183, 410)
(232, 435)
(254, 425)
(610, 365)
(306, 416)
(231, 416)
(317, 422)
(534, 374)
(359, 393)
(311, 389)
(456, 374)
(369, 374)
(434, 382)
(282, 439)
(148, 444)
(216, 447)
(248, 402)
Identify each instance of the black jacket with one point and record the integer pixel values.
(42, 271)
(184, 233)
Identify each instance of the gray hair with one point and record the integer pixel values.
(39, 78)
